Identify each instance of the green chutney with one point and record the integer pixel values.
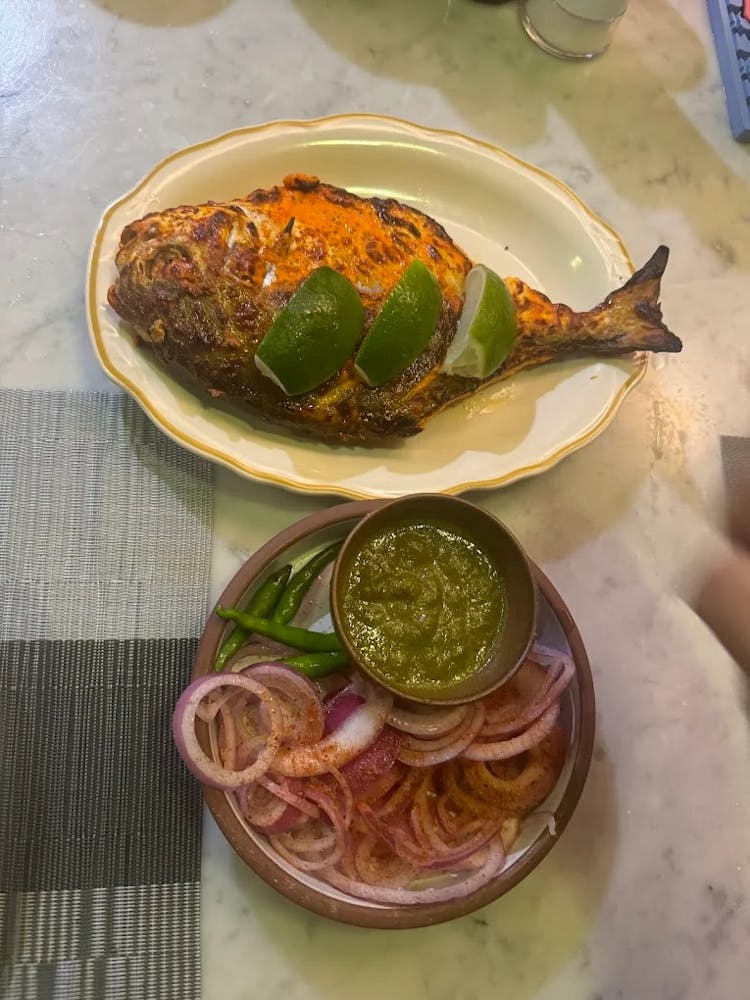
(423, 605)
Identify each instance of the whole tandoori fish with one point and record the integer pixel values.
(202, 285)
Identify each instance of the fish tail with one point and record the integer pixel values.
(630, 318)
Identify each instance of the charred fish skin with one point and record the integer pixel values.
(201, 285)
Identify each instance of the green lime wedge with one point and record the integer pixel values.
(403, 327)
(487, 328)
(313, 335)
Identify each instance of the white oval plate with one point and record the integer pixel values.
(504, 212)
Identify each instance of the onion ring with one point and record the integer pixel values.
(301, 704)
(440, 742)
(281, 789)
(183, 730)
(260, 814)
(439, 894)
(265, 651)
(328, 806)
(518, 744)
(391, 871)
(383, 785)
(425, 758)
(559, 676)
(436, 722)
(520, 792)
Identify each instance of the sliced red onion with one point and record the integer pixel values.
(426, 822)
(280, 675)
(560, 673)
(266, 651)
(208, 710)
(527, 685)
(183, 729)
(288, 820)
(292, 854)
(426, 758)
(228, 737)
(428, 723)
(504, 749)
(416, 850)
(409, 819)
(383, 785)
(395, 832)
(519, 784)
(300, 704)
(563, 677)
(261, 808)
(247, 751)
(427, 745)
(376, 761)
(541, 652)
(360, 685)
(304, 842)
(338, 748)
(281, 812)
(451, 857)
(457, 889)
(402, 796)
(284, 788)
(339, 708)
(346, 793)
(466, 800)
(449, 819)
(393, 871)
(511, 828)
(432, 849)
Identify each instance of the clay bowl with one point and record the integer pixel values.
(555, 627)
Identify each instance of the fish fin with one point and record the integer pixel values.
(630, 318)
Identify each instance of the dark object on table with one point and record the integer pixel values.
(724, 596)
(731, 30)
(735, 454)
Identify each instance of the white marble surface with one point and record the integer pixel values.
(646, 895)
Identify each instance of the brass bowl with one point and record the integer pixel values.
(497, 542)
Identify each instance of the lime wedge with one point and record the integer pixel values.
(487, 328)
(403, 327)
(313, 335)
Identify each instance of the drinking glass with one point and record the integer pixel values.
(572, 29)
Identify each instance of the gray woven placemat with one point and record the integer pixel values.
(104, 557)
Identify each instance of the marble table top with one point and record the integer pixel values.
(646, 895)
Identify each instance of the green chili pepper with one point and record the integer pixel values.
(297, 638)
(318, 664)
(300, 583)
(266, 597)
(262, 603)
